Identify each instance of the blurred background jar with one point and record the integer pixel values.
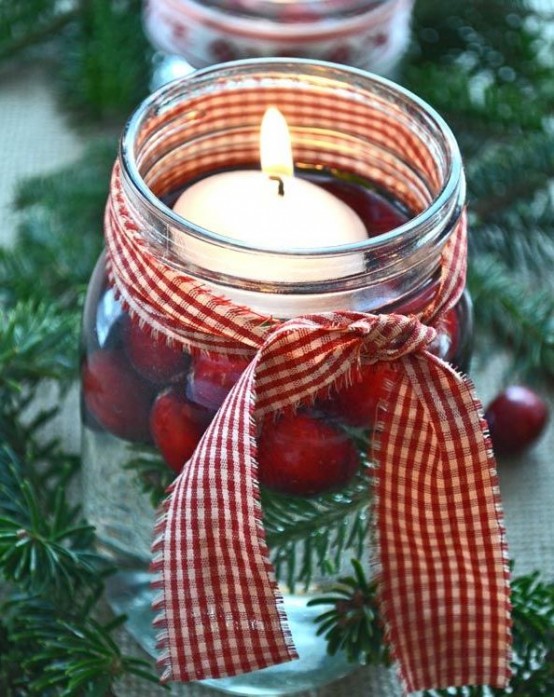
(368, 34)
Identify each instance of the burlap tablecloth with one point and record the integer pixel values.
(34, 139)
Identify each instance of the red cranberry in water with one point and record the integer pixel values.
(115, 395)
(357, 403)
(177, 426)
(301, 455)
(212, 378)
(516, 418)
(152, 357)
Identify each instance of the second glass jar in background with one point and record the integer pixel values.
(368, 34)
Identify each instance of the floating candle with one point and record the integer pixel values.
(270, 210)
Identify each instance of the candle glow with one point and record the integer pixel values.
(269, 209)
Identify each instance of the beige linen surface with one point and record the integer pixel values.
(35, 139)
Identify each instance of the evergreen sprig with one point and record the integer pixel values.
(45, 551)
(36, 342)
(101, 58)
(486, 65)
(495, 180)
(519, 313)
(59, 232)
(152, 472)
(352, 624)
(105, 65)
(308, 536)
(70, 656)
(28, 22)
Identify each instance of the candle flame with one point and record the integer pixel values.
(275, 145)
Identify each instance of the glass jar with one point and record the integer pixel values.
(359, 130)
(369, 34)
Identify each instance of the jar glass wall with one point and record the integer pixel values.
(141, 390)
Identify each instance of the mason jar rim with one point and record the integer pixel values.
(293, 68)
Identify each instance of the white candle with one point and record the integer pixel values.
(271, 210)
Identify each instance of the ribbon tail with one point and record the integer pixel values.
(220, 609)
(442, 552)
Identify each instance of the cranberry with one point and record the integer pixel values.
(115, 395)
(152, 357)
(516, 418)
(212, 378)
(177, 425)
(357, 403)
(302, 455)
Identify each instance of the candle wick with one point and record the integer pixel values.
(281, 188)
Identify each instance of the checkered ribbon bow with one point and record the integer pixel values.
(443, 577)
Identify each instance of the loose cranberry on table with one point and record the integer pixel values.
(212, 377)
(301, 455)
(177, 425)
(115, 395)
(152, 357)
(516, 418)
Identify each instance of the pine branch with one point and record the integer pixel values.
(521, 234)
(471, 104)
(70, 656)
(36, 342)
(519, 314)
(60, 231)
(106, 61)
(495, 180)
(40, 457)
(103, 55)
(352, 624)
(309, 536)
(152, 471)
(28, 22)
(45, 551)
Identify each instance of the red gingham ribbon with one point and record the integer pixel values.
(443, 574)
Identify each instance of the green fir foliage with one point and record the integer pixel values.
(26, 23)
(105, 60)
(101, 58)
(152, 472)
(351, 623)
(308, 536)
(486, 66)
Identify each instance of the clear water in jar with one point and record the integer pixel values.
(136, 391)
